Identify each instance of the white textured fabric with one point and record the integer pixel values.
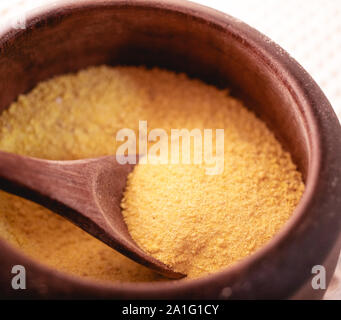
(310, 30)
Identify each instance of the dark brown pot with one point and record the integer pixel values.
(218, 49)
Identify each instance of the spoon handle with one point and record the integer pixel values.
(87, 192)
(67, 188)
(47, 182)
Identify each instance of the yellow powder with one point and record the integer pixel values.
(193, 222)
(198, 223)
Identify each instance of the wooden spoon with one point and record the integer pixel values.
(86, 192)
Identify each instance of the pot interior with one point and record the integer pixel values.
(61, 42)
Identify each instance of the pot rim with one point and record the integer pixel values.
(287, 71)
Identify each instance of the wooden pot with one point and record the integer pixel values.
(218, 49)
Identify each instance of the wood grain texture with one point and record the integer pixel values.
(86, 192)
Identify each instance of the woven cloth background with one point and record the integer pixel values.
(310, 30)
